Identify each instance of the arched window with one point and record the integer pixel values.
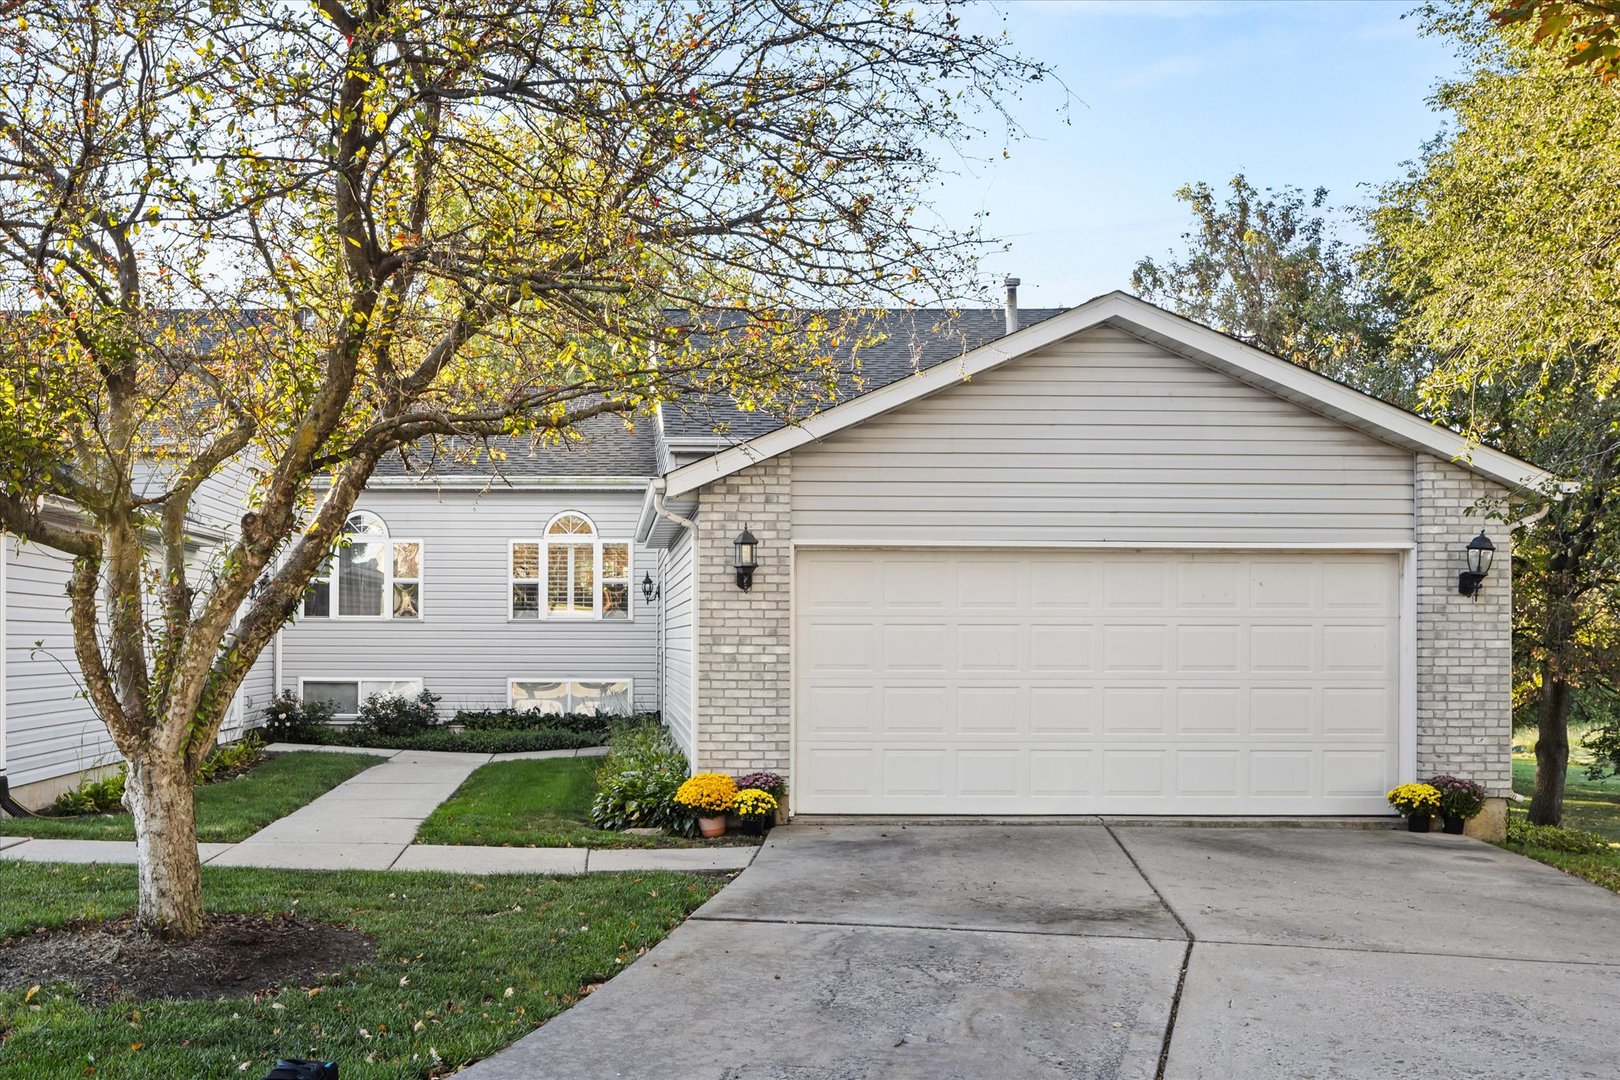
(378, 577)
(570, 573)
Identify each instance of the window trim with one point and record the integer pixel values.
(565, 679)
(596, 541)
(387, 540)
(421, 684)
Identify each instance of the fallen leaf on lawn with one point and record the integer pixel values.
(404, 980)
(135, 1046)
(509, 992)
(32, 990)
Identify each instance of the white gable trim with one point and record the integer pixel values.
(1181, 336)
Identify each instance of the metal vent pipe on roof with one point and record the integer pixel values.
(1011, 305)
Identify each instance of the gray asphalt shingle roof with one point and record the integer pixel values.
(602, 446)
(914, 341)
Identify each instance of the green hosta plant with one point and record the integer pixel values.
(637, 782)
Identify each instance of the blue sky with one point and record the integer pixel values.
(1166, 92)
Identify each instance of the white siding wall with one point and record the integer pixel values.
(1102, 437)
(464, 647)
(678, 615)
(51, 731)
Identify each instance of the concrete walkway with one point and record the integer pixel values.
(368, 822)
(1108, 952)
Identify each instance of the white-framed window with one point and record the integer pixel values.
(371, 575)
(592, 697)
(347, 695)
(569, 573)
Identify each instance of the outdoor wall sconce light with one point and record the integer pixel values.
(1480, 551)
(650, 591)
(747, 559)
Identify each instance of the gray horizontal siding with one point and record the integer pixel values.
(464, 647)
(678, 626)
(1102, 438)
(51, 730)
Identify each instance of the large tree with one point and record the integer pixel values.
(1268, 268)
(280, 240)
(1503, 242)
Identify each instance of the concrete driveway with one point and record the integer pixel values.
(1100, 952)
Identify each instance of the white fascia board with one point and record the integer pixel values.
(1199, 343)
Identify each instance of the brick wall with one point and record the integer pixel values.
(743, 646)
(1464, 645)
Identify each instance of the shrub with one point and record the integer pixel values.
(103, 796)
(1521, 833)
(464, 742)
(764, 781)
(707, 793)
(287, 719)
(224, 762)
(1459, 797)
(637, 782)
(525, 719)
(396, 716)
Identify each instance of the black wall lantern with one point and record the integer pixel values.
(1480, 551)
(747, 559)
(650, 591)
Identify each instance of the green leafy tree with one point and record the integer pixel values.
(1587, 32)
(1502, 242)
(279, 240)
(1266, 267)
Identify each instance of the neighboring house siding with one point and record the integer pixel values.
(1102, 437)
(51, 731)
(678, 608)
(464, 647)
(1465, 644)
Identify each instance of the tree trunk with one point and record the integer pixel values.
(161, 798)
(1552, 749)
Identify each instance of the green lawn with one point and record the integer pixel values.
(544, 803)
(464, 967)
(227, 811)
(1593, 805)
(1590, 805)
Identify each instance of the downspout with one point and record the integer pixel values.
(7, 803)
(656, 487)
(665, 512)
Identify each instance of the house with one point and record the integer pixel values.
(1108, 562)
(1114, 562)
(50, 735)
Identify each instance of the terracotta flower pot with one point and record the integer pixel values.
(712, 826)
(1418, 822)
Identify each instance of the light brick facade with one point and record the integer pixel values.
(743, 639)
(1464, 645)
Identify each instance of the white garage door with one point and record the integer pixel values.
(985, 682)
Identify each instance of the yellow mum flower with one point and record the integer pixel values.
(707, 793)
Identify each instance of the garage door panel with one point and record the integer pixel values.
(991, 710)
(1060, 648)
(1135, 585)
(834, 647)
(1136, 710)
(1209, 710)
(990, 647)
(840, 711)
(1209, 648)
(914, 646)
(1212, 774)
(910, 710)
(1136, 773)
(1062, 710)
(981, 682)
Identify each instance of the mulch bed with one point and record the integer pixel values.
(235, 956)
